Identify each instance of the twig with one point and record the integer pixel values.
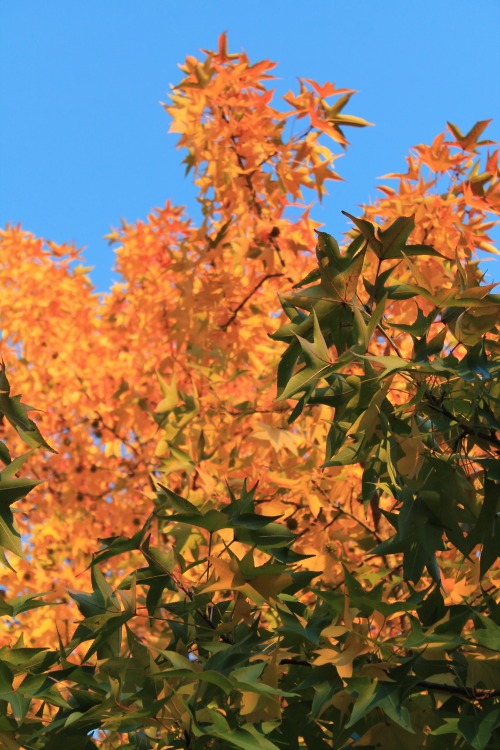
(342, 511)
(242, 165)
(475, 694)
(235, 312)
(466, 428)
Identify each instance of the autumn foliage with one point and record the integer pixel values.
(349, 599)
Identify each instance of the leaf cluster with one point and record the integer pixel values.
(352, 604)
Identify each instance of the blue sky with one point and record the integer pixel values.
(84, 139)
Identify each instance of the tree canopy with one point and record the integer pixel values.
(259, 508)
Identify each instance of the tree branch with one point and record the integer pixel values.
(466, 428)
(344, 512)
(241, 164)
(474, 694)
(235, 312)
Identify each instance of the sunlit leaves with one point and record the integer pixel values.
(342, 599)
(417, 431)
(390, 243)
(17, 414)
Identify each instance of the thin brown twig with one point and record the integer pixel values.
(242, 165)
(466, 428)
(343, 511)
(243, 302)
(476, 694)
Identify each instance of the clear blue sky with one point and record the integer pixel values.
(84, 139)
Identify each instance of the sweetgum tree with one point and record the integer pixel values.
(348, 600)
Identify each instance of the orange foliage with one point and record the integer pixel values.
(183, 335)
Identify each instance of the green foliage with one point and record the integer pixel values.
(12, 487)
(247, 649)
(251, 667)
(417, 450)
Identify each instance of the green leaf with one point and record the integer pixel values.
(305, 380)
(476, 730)
(28, 601)
(116, 546)
(360, 328)
(390, 364)
(328, 252)
(13, 488)
(418, 538)
(376, 316)
(271, 535)
(347, 456)
(421, 324)
(209, 676)
(170, 500)
(488, 634)
(245, 740)
(368, 232)
(311, 277)
(9, 535)
(17, 414)
(211, 521)
(394, 238)
(372, 694)
(33, 436)
(487, 528)
(4, 454)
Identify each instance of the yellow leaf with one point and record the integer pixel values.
(8, 741)
(271, 585)
(413, 449)
(333, 631)
(170, 396)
